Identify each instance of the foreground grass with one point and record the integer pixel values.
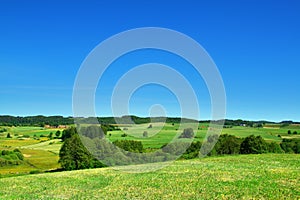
(265, 176)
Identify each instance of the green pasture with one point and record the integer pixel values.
(266, 176)
(44, 152)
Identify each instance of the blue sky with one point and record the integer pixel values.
(254, 43)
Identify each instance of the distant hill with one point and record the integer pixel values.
(40, 120)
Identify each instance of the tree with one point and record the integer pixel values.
(290, 145)
(150, 126)
(145, 134)
(129, 145)
(289, 132)
(253, 145)
(73, 155)
(67, 133)
(57, 134)
(8, 135)
(273, 147)
(227, 144)
(187, 133)
(93, 131)
(51, 135)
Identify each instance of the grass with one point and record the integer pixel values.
(28, 130)
(267, 176)
(35, 160)
(40, 154)
(161, 133)
(44, 152)
(49, 145)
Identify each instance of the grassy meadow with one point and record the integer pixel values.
(265, 176)
(41, 152)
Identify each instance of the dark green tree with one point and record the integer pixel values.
(67, 133)
(73, 155)
(57, 134)
(227, 144)
(145, 134)
(273, 147)
(187, 133)
(253, 145)
(8, 135)
(129, 145)
(290, 145)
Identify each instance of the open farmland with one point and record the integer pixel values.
(41, 152)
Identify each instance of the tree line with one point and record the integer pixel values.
(40, 120)
(84, 150)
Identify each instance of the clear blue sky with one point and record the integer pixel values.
(254, 43)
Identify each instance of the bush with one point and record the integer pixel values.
(129, 145)
(273, 147)
(2, 130)
(35, 172)
(93, 132)
(57, 134)
(14, 157)
(227, 144)
(187, 133)
(253, 145)
(290, 145)
(145, 134)
(192, 151)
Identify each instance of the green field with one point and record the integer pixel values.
(266, 176)
(41, 153)
(161, 134)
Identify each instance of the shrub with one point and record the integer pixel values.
(290, 145)
(14, 157)
(93, 132)
(273, 147)
(35, 171)
(129, 145)
(192, 151)
(187, 133)
(57, 134)
(227, 144)
(253, 145)
(145, 134)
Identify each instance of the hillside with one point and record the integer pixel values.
(266, 176)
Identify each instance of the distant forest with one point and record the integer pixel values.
(6, 120)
